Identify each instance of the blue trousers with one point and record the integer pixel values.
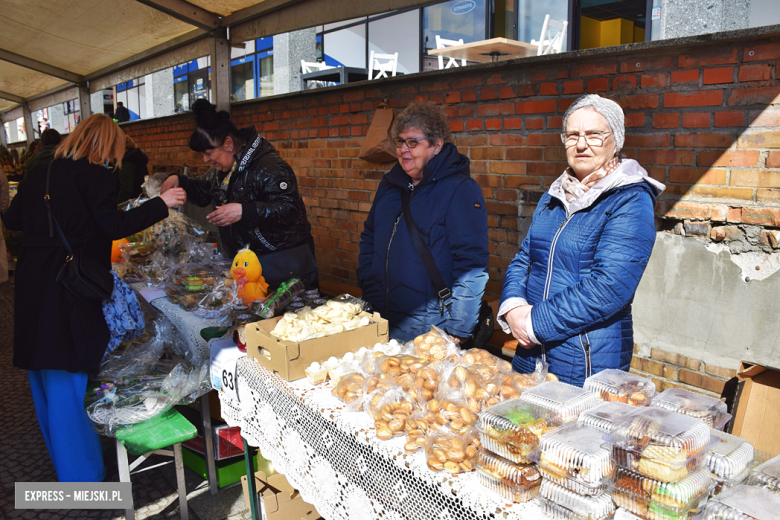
(74, 447)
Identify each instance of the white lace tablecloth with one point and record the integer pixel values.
(333, 457)
(187, 323)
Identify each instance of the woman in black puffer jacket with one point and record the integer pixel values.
(256, 197)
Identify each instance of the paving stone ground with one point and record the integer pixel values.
(24, 457)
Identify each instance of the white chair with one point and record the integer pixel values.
(548, 43)
(381, 68)
(442, 43)
(313, 66)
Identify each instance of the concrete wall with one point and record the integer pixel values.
(680, 18)
(159, 94)
(289, 49)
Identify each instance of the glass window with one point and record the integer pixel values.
(142, 101)
(331, 26)
(346, 47)
(531, 15)
(132, 104)
(401, 34)
(242, 82)
(239, 52)
(504, 21)
(181, 95)
(266, 76)
(454, 20)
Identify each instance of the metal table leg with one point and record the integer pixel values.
(124, 476)
(211, 469)
(181, 483)
(250, 481)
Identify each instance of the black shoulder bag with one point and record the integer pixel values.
(484, 329)
(81, 275)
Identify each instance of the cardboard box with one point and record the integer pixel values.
(757, 407)
(277, 499)
(289, 359)
(227, 442)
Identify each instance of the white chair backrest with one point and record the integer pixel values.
(442, 43)
(381, 68)
(548, 43)
(312, 66)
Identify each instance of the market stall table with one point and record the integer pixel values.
(495, 49)
(190, 326)
(334, 459)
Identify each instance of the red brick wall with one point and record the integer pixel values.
(702, 119)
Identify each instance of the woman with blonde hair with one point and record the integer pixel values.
(58, 338)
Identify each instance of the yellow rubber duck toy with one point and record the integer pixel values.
(248, 274)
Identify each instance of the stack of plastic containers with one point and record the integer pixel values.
(188, 284)
(508, 432)
(744, 503)
(660, 455)
(728, 461)
(767, 475)
(708, 409)
(621, 387)
(559, 402)
(576, 470)
(602, 416)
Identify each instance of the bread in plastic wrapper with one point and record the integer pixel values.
(613, 385)
(559, 402)
(638, 493)
(744, 503)
(453, 413)
(436, 345)
(391, 412)
(602, 416)
(766, 475)
(592, 507)
(350, 389)
(511, 429)
(515, 482)
(277, 302)
(660, 444)
(452, 452)
(730, 457)
(417, 428)
(474, 383)
(708, 409)
(428, 378)
(573, 457)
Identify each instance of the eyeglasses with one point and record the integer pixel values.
(411, 143)
(593, 138)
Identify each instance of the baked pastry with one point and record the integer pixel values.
(628, 494)
(316, 373)
(663, 463)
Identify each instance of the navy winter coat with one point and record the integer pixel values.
(449, 211)
(580, 269)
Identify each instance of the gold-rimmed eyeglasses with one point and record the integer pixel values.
(592, 137)
(410, 143)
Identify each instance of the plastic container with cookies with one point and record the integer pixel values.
(516, 482)
(559, 402)
(602, 416)
(573, 457)
(642, 495)
(659, 444)
(766, 475)
(743, 503)
(623, 387)
(511, 429)
(730, 457)
(574, 505)
(708, 409)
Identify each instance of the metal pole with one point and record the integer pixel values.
(220, 73)
(28, 123)
(124, 476)
(181, 482)
(85, 107)
(211, 468)
(250, 481)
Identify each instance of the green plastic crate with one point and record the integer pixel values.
(229, 471)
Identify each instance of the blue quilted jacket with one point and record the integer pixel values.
(449, 211)
(579, 266)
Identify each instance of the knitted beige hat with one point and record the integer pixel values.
(607, 108)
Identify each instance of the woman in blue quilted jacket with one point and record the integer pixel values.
(567, 293)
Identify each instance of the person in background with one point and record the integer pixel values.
(448, 209)
(5, 198)
(567, 293)
(50, 139)
(58, 338)
(121, 114)
(256, 196)
(45, 125)
(131, 175)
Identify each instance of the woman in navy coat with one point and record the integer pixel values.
(448, 209)
(567, 293)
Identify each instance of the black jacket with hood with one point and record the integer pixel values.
(273, 215)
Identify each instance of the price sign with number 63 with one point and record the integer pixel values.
(229, 379)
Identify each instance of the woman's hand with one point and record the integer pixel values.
(225, 215)
(457, 340)
(516, 321)
(174, 197)
(170, 182)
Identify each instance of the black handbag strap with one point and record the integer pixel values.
(443, 293)
(53, 224)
